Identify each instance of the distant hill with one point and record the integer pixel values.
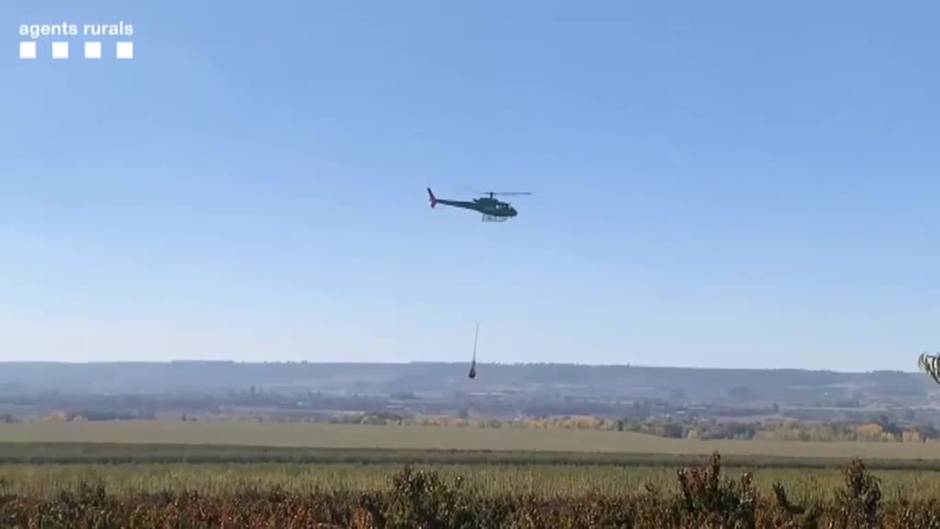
(554, 381)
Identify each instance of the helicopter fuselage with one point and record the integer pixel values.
(487, 206)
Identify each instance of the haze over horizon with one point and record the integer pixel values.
(257, 191)
(90, 363)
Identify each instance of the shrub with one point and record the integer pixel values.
(422, 499)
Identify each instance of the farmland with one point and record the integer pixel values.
(253, 459)
(491, 480)
(249, 474)
(225, 457)
(246, 433)
(332, 496)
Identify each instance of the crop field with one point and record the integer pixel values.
(490, 480)
(257, 495)
(444, 438)
(242, 474)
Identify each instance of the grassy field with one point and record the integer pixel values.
(443, 438)
(491, 480)
(475, 497)
(155, 474)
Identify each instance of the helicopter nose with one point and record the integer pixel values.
(512, 212)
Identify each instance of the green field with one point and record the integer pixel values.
(491, 479)
(163, 470)
(443, 438)
(221, 457)
(538, 479)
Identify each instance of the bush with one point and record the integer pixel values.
(707, 500)
(859, 500)
(422, 499)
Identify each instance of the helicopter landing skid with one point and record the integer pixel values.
(491, 218)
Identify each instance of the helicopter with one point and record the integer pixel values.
(493, 210)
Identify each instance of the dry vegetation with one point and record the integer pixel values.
(699, 497)
(540, 480)
(602, 480)
(443, 438)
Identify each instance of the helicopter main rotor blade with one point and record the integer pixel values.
(505, 193)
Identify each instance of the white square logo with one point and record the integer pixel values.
(125, 50)
(92, 50)
(28, 49)
(60, 50)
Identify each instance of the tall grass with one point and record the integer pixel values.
(539, 480)
(414, 498)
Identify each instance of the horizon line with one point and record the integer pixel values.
(445, 362)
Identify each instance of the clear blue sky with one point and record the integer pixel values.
(733, 184)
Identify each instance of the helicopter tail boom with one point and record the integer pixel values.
(432, 198)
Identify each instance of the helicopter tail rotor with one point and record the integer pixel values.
(432, 198)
